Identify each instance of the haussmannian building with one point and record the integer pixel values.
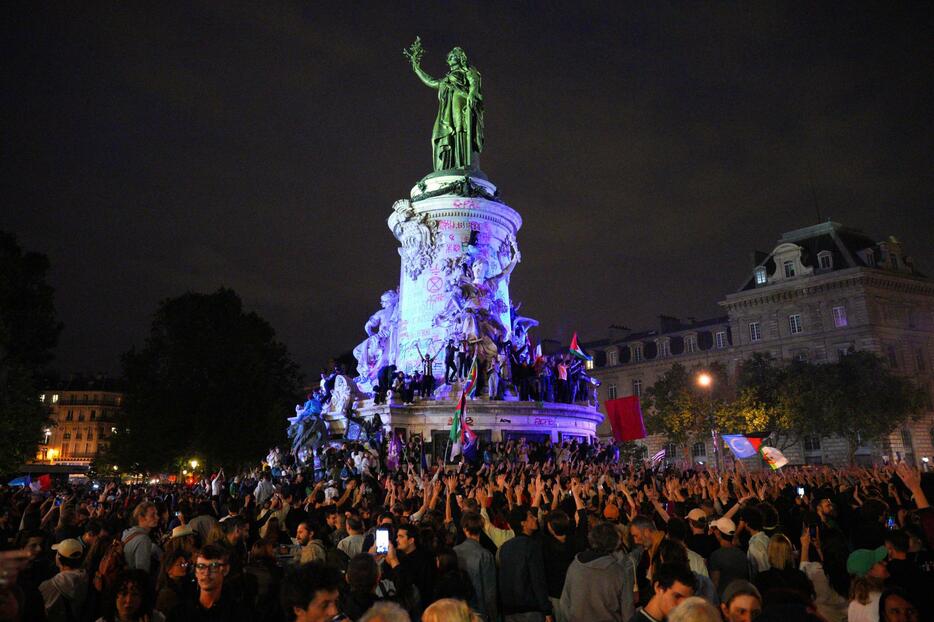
(82, 412)
(822, 292)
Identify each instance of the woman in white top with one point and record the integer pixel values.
(827, 574)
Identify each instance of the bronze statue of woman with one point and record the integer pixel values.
(457, 137)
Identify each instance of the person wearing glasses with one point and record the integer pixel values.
(174, 585)
(212, 602)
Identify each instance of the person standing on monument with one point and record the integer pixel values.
(457, 136)
(450, 366)
(463, 358)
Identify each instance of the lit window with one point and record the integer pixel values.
(761, 277)
(794, 324)
(637, 387)
(690, 343)
(789, 267)
(611, 391)
(664, 348)
(612, 357)
(42, 398)
(754, 333)
(839, 317)
(587, 365)
(637, 353)
(720, 339)
(54, 398)
(825, 260)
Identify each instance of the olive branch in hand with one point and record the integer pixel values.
(415, 51)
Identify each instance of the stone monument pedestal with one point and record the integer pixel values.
(491, 420)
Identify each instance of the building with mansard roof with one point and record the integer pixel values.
(822, 292)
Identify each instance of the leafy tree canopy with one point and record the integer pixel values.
(28, 333)
(211, 381)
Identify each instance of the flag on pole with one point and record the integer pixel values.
(773, 457)
(625, 416)
(454, 438)
(743, 446)
(470, 389)
(576, 350)
(658, 457)
(538, 353)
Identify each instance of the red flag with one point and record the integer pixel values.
(625, 415)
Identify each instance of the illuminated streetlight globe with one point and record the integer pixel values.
(194, 464)
(704, 379)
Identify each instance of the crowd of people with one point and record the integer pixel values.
(533, 532)
(512, 369)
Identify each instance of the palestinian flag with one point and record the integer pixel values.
(576, 350)
(455, 439)
(463, 439)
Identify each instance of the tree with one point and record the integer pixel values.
(28, 333)
(785, 393)
(864, 401)
(857, 398)
(685, 412)
(211, 381)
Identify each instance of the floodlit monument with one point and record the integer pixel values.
(458, 250)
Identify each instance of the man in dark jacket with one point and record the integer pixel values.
(522, 586)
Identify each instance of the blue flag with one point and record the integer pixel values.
(742, 446)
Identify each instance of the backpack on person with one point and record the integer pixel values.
(111, 566)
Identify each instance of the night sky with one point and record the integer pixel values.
(151, 149)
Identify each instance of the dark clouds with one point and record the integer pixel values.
(153, 149)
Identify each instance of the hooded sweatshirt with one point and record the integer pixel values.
(65, 591)
(598, 588)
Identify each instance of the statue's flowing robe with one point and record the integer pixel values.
(458, 130)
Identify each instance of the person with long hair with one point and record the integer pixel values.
(174, 584)
(824, 563)
(132, 600)
(867, 566)
(783, 575)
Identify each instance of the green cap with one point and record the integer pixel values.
(861, 561)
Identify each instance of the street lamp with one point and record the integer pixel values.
(705, 382)
(193, 463)
(51, 454)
